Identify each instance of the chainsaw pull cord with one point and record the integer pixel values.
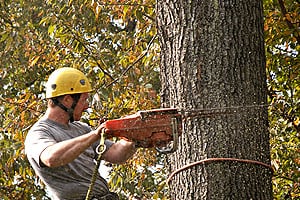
(99, 150)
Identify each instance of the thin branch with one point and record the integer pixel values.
(149, 17)
(284, 177)
(125, 4)
(87, 49)
(134, 63)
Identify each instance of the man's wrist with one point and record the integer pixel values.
(99, 131)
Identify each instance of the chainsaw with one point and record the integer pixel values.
(159, 128)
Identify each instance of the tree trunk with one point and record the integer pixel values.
(213, 70)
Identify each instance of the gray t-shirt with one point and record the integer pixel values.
(72, 180)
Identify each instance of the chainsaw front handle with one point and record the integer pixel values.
(174, 144)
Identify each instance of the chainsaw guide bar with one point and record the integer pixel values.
(148, 128)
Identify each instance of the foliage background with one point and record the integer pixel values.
(282, 39)
(115, 44)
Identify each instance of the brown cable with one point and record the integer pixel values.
(208, 160)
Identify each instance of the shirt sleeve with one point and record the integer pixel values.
(37, 140)
(108, 143)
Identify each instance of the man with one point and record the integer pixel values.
(61, 149)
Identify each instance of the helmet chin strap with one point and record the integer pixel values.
(70, 111)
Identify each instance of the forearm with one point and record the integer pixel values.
(66, 151)
(120, 152)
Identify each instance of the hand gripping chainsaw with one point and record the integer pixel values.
(159, 128)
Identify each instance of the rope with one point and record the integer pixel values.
(100, 150)
(209, 160)
(212, 112)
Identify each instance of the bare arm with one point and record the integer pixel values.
(66, 151)
(120, 152)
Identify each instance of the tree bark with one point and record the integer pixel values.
(213, 71)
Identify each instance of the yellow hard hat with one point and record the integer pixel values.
(67, 80)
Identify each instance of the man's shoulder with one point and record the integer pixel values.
(80, 125)
(43, 124)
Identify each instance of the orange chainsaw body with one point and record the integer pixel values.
(148, 128)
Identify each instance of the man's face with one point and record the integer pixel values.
(81, 106)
